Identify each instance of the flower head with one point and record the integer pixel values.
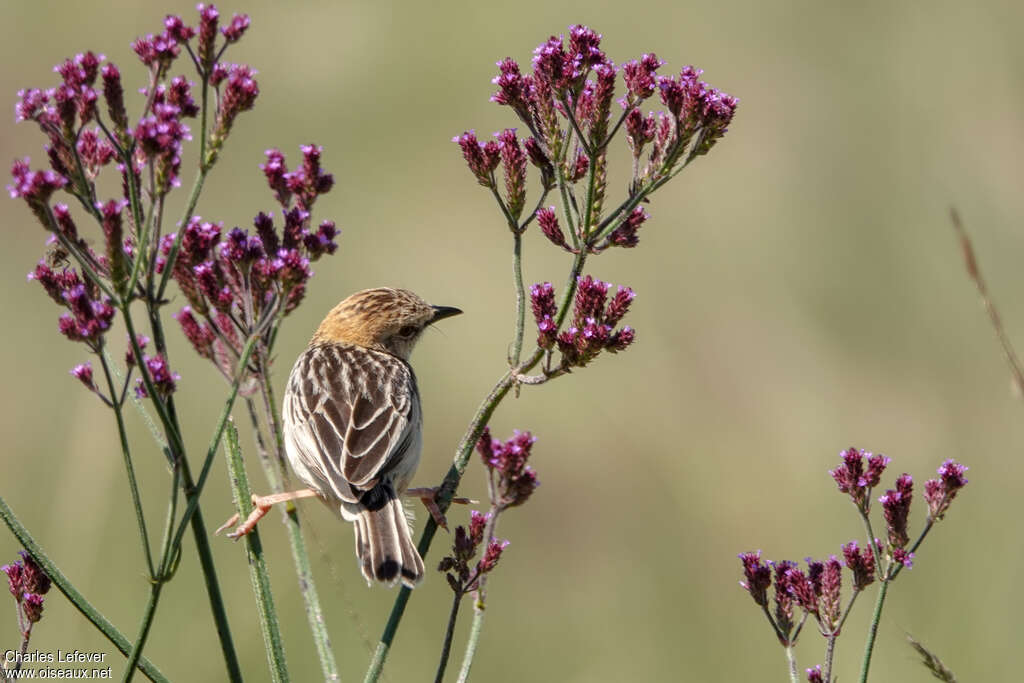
(939, 493)
(896, 508)
(758, 577)
(515, 480)
(852, 478)
(861, 563)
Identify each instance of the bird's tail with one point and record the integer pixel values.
(384, 545)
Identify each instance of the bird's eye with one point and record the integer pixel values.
(407, 332)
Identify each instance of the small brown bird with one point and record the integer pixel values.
(352, 424)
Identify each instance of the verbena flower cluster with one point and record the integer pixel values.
(85, 119)
(462, 574)
(567, 107)
(510, 483)
(592, 326)
(816, 590)
(236, 282)
(28, 583)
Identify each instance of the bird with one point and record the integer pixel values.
(352, 425)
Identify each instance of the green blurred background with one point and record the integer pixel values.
(799, 291)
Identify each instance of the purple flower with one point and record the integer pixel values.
(584, 51)
(179, 93)
(218, 73)
(551, 65)
(507, 460)
(176, 28)
(542, 298)
(625, 235)
(548, 222)
(640, 130)
(492, 555)
(239, 94)
(802, 589)
(619, 305)
(896, 508)
(591, 296)
(814, 675)
(477, 524)
(513, 162)
(758, 577)
(32, 605)
(164, 381)
(35, 187)
(83, 373)
(513, 89)
(15, 578)
(902, 556)
(861, 563)
(32, 103)
(851, 477)
(481, 158)
(939, 493)
(234, 31)
(783, 598)
(34, 579)
(639, 76)
(88, 319)
(129, 354)
(208, 17)
(829, 603)
(113, 93)
(114, 236)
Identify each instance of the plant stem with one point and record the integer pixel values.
(147, 622)
(474, 639)
(448, 634)
(830, 648)
(869, 646)
(517, 275)
(273, 469)
(479, 605)
(169, 420)
(794, 675)
(133, 484)
(73, 595)
(257, 565)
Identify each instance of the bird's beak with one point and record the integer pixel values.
(442, 312)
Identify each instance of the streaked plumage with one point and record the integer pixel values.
(352, 422)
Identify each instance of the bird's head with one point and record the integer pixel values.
(384, 319)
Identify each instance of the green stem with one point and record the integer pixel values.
(147, 622)
(220, 616)
(869, 646)
(257, 565)
(794, 675)
(830, 648)
(73, 595)
(449, 633)
(168, 418)
(474, 640)
(517, 276)
(273, 469)
(480, 604)
(875, 550)
(133, 484)
(211, 451)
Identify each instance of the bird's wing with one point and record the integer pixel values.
(348, 415)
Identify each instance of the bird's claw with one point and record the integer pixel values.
(429, 497)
